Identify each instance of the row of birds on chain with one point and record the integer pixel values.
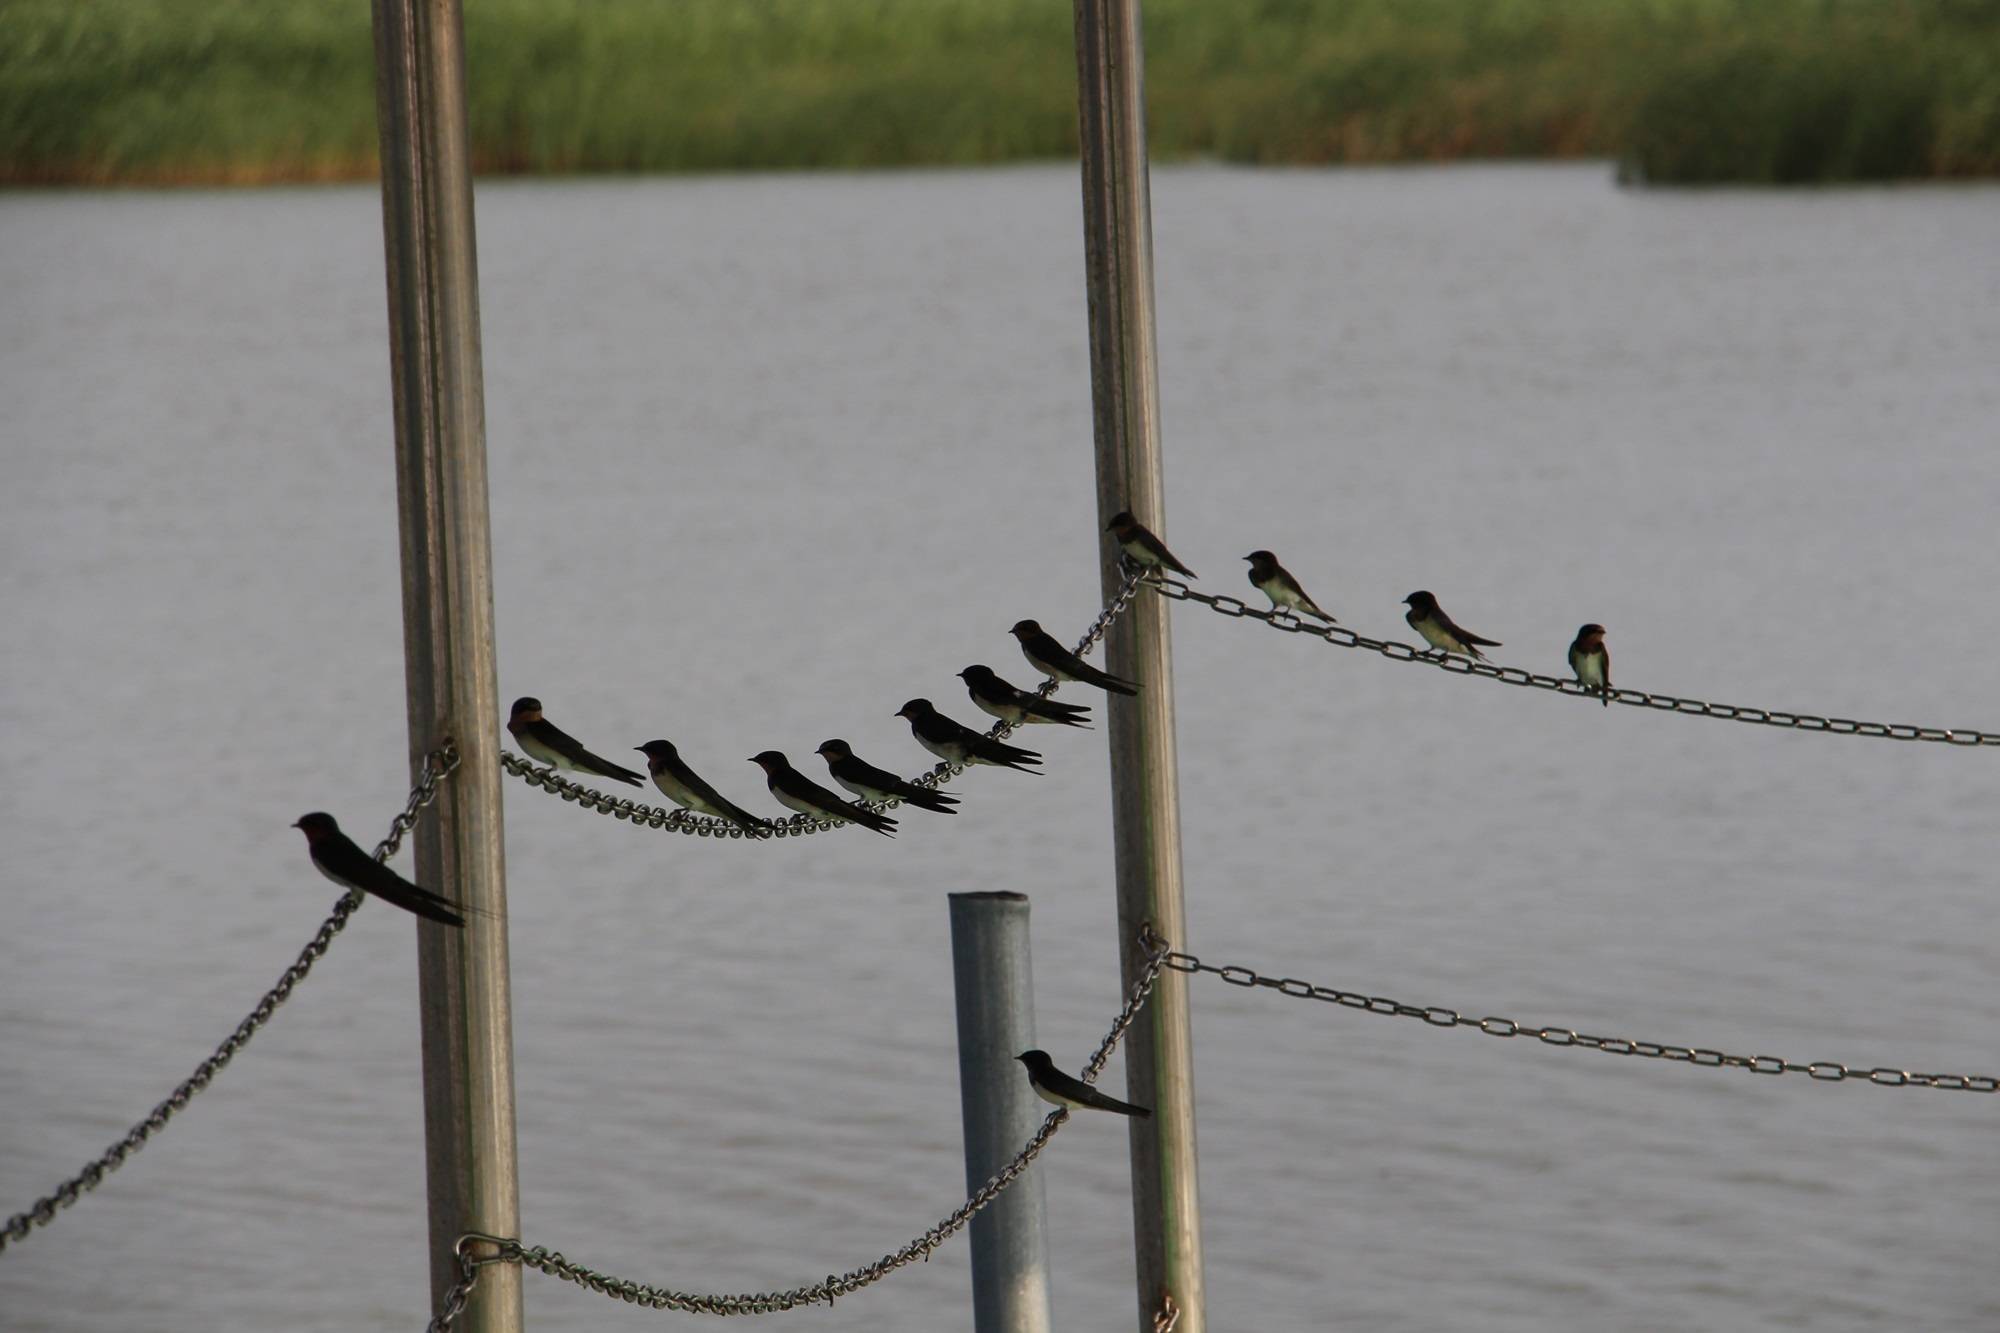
(341, 860)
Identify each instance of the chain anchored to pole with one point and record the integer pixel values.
(438, 765)
(476, 1250)
(1820, 1071)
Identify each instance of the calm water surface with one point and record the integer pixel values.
(771, 455)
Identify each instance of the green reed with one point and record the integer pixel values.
(1681, 90)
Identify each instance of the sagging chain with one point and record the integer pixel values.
(1342, 637)
(796, 826)
(438, 764)
(501, 1249)
(1823, 1071)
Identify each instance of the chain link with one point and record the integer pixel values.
(1821, 1071)
(437, 764)
(1168, 1315)
(679, 820)
(823, 1292)
(1341, 637)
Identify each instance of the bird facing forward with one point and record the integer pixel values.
(1591, 661)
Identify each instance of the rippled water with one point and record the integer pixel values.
(772, 454)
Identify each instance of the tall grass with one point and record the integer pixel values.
(1685, 90)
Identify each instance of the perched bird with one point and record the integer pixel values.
(956, 743)
(799, 792)
(1141, 547)
(684, 787)
(544, 740)
(1059, 1089)
(874, 784)
(336, 857)
(1050, 658)
(1427, 618)
(1276, 582)
(1591, 661)
(1016, 707)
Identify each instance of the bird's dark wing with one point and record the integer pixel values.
(1077, 1090)
(1451, 627)
(867, 775)
(1048, 650)
(1070, 715)
(570, 748)
(823, 798)
(998, 752)
(1153, 546)
(731, 811)
(350, 865)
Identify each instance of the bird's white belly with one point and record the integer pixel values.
(537, 750)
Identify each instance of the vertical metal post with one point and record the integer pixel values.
(450, 678)
(1125, 399)
(996, 1022)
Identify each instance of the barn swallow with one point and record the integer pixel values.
(1017, 707)
(1050, 658)
(684, 787)
(1059, 1089)
(957, 743)
(1276, 582)
(1429, 620)
(799, 792)
(544, 740)
(336, 857)
(1141, 547)
(873, 784)
(1591, 661)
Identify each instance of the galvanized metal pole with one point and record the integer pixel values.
(996, 1022)
(450, 677)
(1125, 398)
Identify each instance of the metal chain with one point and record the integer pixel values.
(554, 1264)
(1168, 1316)
(437, 765)
(1823, 1071)
(679, 820)
(1340, 636)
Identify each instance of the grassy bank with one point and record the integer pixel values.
(1689, 90)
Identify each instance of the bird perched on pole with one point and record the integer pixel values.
(1427, 618)
(1059, 1089)
(1141, 547)
(1276, 582)
(544, 740)
(336, 856)
(1591, 661)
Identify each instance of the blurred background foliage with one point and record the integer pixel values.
(98, 91)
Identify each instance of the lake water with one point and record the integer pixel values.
(772, 454)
